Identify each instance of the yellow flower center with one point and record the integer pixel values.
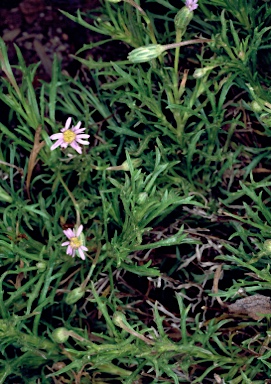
(69, 136)
(75, 242)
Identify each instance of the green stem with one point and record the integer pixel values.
(177, 51)
(76, 205)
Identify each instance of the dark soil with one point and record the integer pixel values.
(39, 29)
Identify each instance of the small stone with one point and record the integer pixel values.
(62, 48)
(55, 41)
(39, 36)
(28, 45)
(254, 306)
(11, 35)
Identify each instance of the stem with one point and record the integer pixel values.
(20, 170)
(76, 206)
(120, 320)
(187, 42)
(93, 265)
(177, 51)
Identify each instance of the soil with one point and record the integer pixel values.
(41, 31)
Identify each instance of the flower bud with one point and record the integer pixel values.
(41, 266)
(267, 246)
(182, 19)
(146, 53)
(255, 106)
(200, 72)
(60, 335)
(125, 166)
(191, 4)
(75, 295)
(136, 163)
(119, 319)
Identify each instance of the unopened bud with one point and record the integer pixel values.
(255, 106)
(41, 266)
(125, 166)
(60, 335)
(75, 295)
(267, 246)
(191, 4)
(119, 319)
(136, 163)
(182, 19)
(200, 72)
(146, 53)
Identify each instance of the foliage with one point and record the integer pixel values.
(174, 185)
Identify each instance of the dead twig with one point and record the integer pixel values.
(32, 158)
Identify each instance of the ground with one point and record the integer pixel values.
(39, 29)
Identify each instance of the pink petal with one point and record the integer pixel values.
(56, 144)
(75, 146)
(79, 230)
(64, 144)
(84, 142)
(56, 136)
(69, 233)
(84, 248)
(81, 254)
(70, 250)
(77, 126)
(65, 244)
(78, 130)
(68, 123)
(82, 136)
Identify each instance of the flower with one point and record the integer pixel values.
(146, 53)
(70, 136)
(191, 4)
(75, 242)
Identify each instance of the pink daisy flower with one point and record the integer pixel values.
(75, 243)
(70, 136)
(191, 4)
